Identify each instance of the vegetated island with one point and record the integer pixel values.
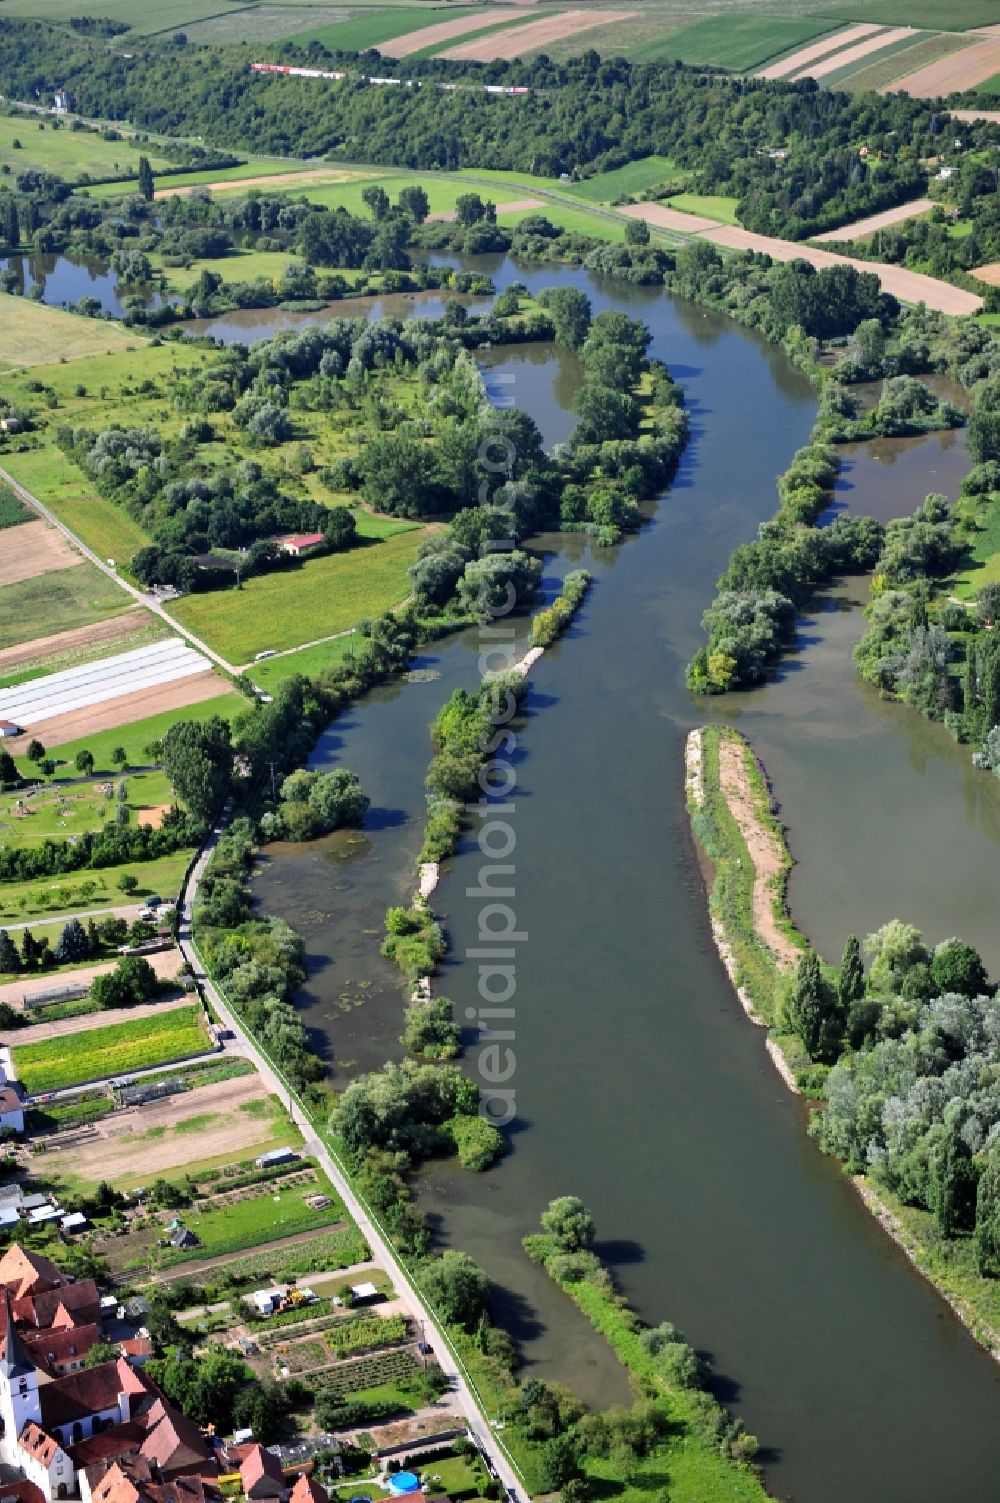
(899, 1060)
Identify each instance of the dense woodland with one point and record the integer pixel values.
(798, 158)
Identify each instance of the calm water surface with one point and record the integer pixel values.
(640, 1084)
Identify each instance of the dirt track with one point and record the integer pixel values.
(122, 1146)
(664, 218)
(879, 221)
(765, 850)
(443, 31)
(69, 641)
(816, 50)
(166, 965)
(911, 286)
(958, 71)
(34, 548)
(122, 711)
(519, 39)
(856, 53)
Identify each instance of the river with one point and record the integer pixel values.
(640, 1085)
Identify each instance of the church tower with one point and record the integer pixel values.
(19, 1400)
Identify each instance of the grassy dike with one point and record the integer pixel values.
(706, 1450)
(759, 978)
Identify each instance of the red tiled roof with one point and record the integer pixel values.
(106, 1447)
(73, 1304)
(259, 1467)
(308, 1491)
(21, 1491)
(26, 1272)
(302, 540)
(78, 1396)
(173, 1440)
(37, 1443)
(10, 1101)
(57, 1345)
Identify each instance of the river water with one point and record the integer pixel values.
(640, 1085)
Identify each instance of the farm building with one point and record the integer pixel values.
(11, 1107)
(299, 544)
(9, 728)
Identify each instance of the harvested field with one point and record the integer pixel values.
(34, 548)
(989, 274)
(816, 50)
(669, 219)
(123, 1142)
(993, 115)
(515, 206)
(33, 334)
(910, 286)
(856, 53)
(275, 179)
(890, 69)
(443, 31)
(516, 40)
(879, 221)
(962, 70)
(122, 711)
(69, 641)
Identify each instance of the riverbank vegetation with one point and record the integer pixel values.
(900, 1057)
(673, 1423)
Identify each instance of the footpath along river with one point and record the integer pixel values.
(640, 1085)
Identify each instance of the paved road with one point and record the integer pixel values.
(149, 602)
(381, 1249)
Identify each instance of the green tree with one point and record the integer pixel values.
(127, 883)
(431, 1030)
(84, 762)
(569, 310)
(957, 967)
(104, 1351)
(198, 760)
(340, 529)
(133, 980)
(569, 1223)
(851, 982)
(456, 1288)
(36, 751)
(637, 232)
(145, 179)
(414, 202)
(987, 1233)
(72, 944)
(377, 200)
(813, 1010)
(8, 769)
(560, 1462)
(10, 960)
(953, 1185)
(119, 756)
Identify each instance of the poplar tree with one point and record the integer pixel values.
(10, 960)
(851, 983)
(987, 1236)
(953, 1181)
(814, 1010)
(145, 179)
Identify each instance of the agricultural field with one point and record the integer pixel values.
(268, 1211)
(32, 548)
(308, 660)
(57, 601)
(139, 734)
(711, 205)
(53, 146)
(894, 69)
(32, 334)
(433, 41)
(324, 1250)
(230, 1117)
(536, 35)
(118, 1049)
(934, 15)
(737, 42)
(370, 29)
(634, 177)
(254, 171)
(265, 23)
(321, 597)
(143, 18)
(245, 266)
(83, 891)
